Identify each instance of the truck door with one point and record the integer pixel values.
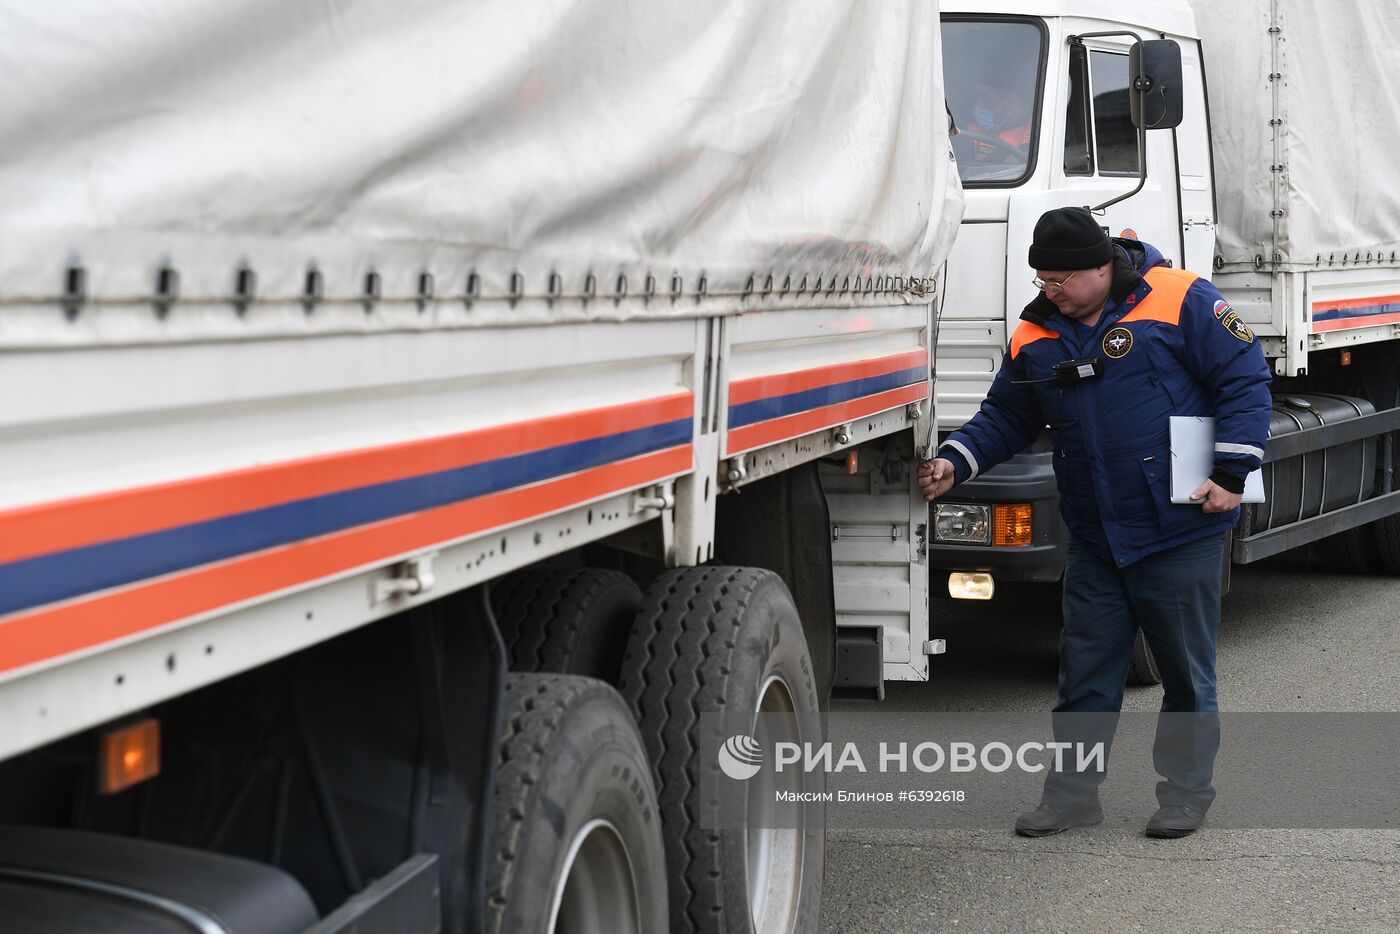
(1194, 168)
(1099, 159)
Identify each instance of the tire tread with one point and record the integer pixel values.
(682, 645)
(1141, 669)
(1349, 552)
(1386, 532)
(541, 611)
(536, 707)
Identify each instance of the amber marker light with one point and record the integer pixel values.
(1011, 524)
(130, 755)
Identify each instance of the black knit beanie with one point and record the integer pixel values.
(1069, 238)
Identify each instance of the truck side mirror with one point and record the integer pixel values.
(1155, 100)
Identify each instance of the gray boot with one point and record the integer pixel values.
(1048, 819)
(1175, 820)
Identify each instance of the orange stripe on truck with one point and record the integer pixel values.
(781, 384)
(34, 636)
(50, 527)
(793, 426)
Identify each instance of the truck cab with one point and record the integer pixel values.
(1039, 94)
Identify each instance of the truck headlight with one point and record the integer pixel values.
(966, 523)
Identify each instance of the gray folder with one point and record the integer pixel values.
(1193, 458)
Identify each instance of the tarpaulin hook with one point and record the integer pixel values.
(167, 291)
(313, 287)
(74, 288)
(425, 289)
(473, 288)
(245, 287)
(373, 289)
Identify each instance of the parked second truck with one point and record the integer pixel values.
(1275, 184)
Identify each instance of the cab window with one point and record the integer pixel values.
(1114, 133)
(992, 70)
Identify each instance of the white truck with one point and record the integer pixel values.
(416, 416)
(1266, 165)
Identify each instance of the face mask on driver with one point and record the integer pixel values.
(985, 117)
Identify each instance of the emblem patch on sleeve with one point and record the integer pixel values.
(1237, 328)
(1117, 343)
(1222, 308)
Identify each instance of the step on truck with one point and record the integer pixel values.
(417, 417)
(1246, 141)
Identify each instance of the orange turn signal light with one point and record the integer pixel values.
(130, 755)
(1011, 524)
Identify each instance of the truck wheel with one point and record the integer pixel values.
(576, 840)
(1142, 670)
(1350, 552)
(1386, 534)
(567, 621)
(727, 643)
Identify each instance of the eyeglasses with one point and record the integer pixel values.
(1045, 286)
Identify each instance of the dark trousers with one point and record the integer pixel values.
(1174, 597)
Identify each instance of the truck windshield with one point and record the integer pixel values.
(991, 71)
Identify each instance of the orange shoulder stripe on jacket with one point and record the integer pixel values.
(1028, 333)
(1163, 303)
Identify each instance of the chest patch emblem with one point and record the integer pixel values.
(1237, 327)
(1117, 343)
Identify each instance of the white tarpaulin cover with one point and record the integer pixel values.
(608, 137)
(1339, 103)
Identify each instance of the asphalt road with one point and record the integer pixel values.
(1294, 637)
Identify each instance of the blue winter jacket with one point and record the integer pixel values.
(1177, 354)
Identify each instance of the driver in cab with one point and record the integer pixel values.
(998, 127)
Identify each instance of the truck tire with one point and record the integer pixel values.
(576, 839)
(726, 643)
(566, 621)
(1385, 533)
(1142, 670)
(1350, 552)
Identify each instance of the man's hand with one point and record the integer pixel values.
(935, 478)
(1211, 497)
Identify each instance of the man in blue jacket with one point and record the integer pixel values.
(1116, 344)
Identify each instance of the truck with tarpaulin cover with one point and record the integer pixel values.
(416, 416)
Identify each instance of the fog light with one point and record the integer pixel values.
(971, 585)
(1011, 524)
(962, 522)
